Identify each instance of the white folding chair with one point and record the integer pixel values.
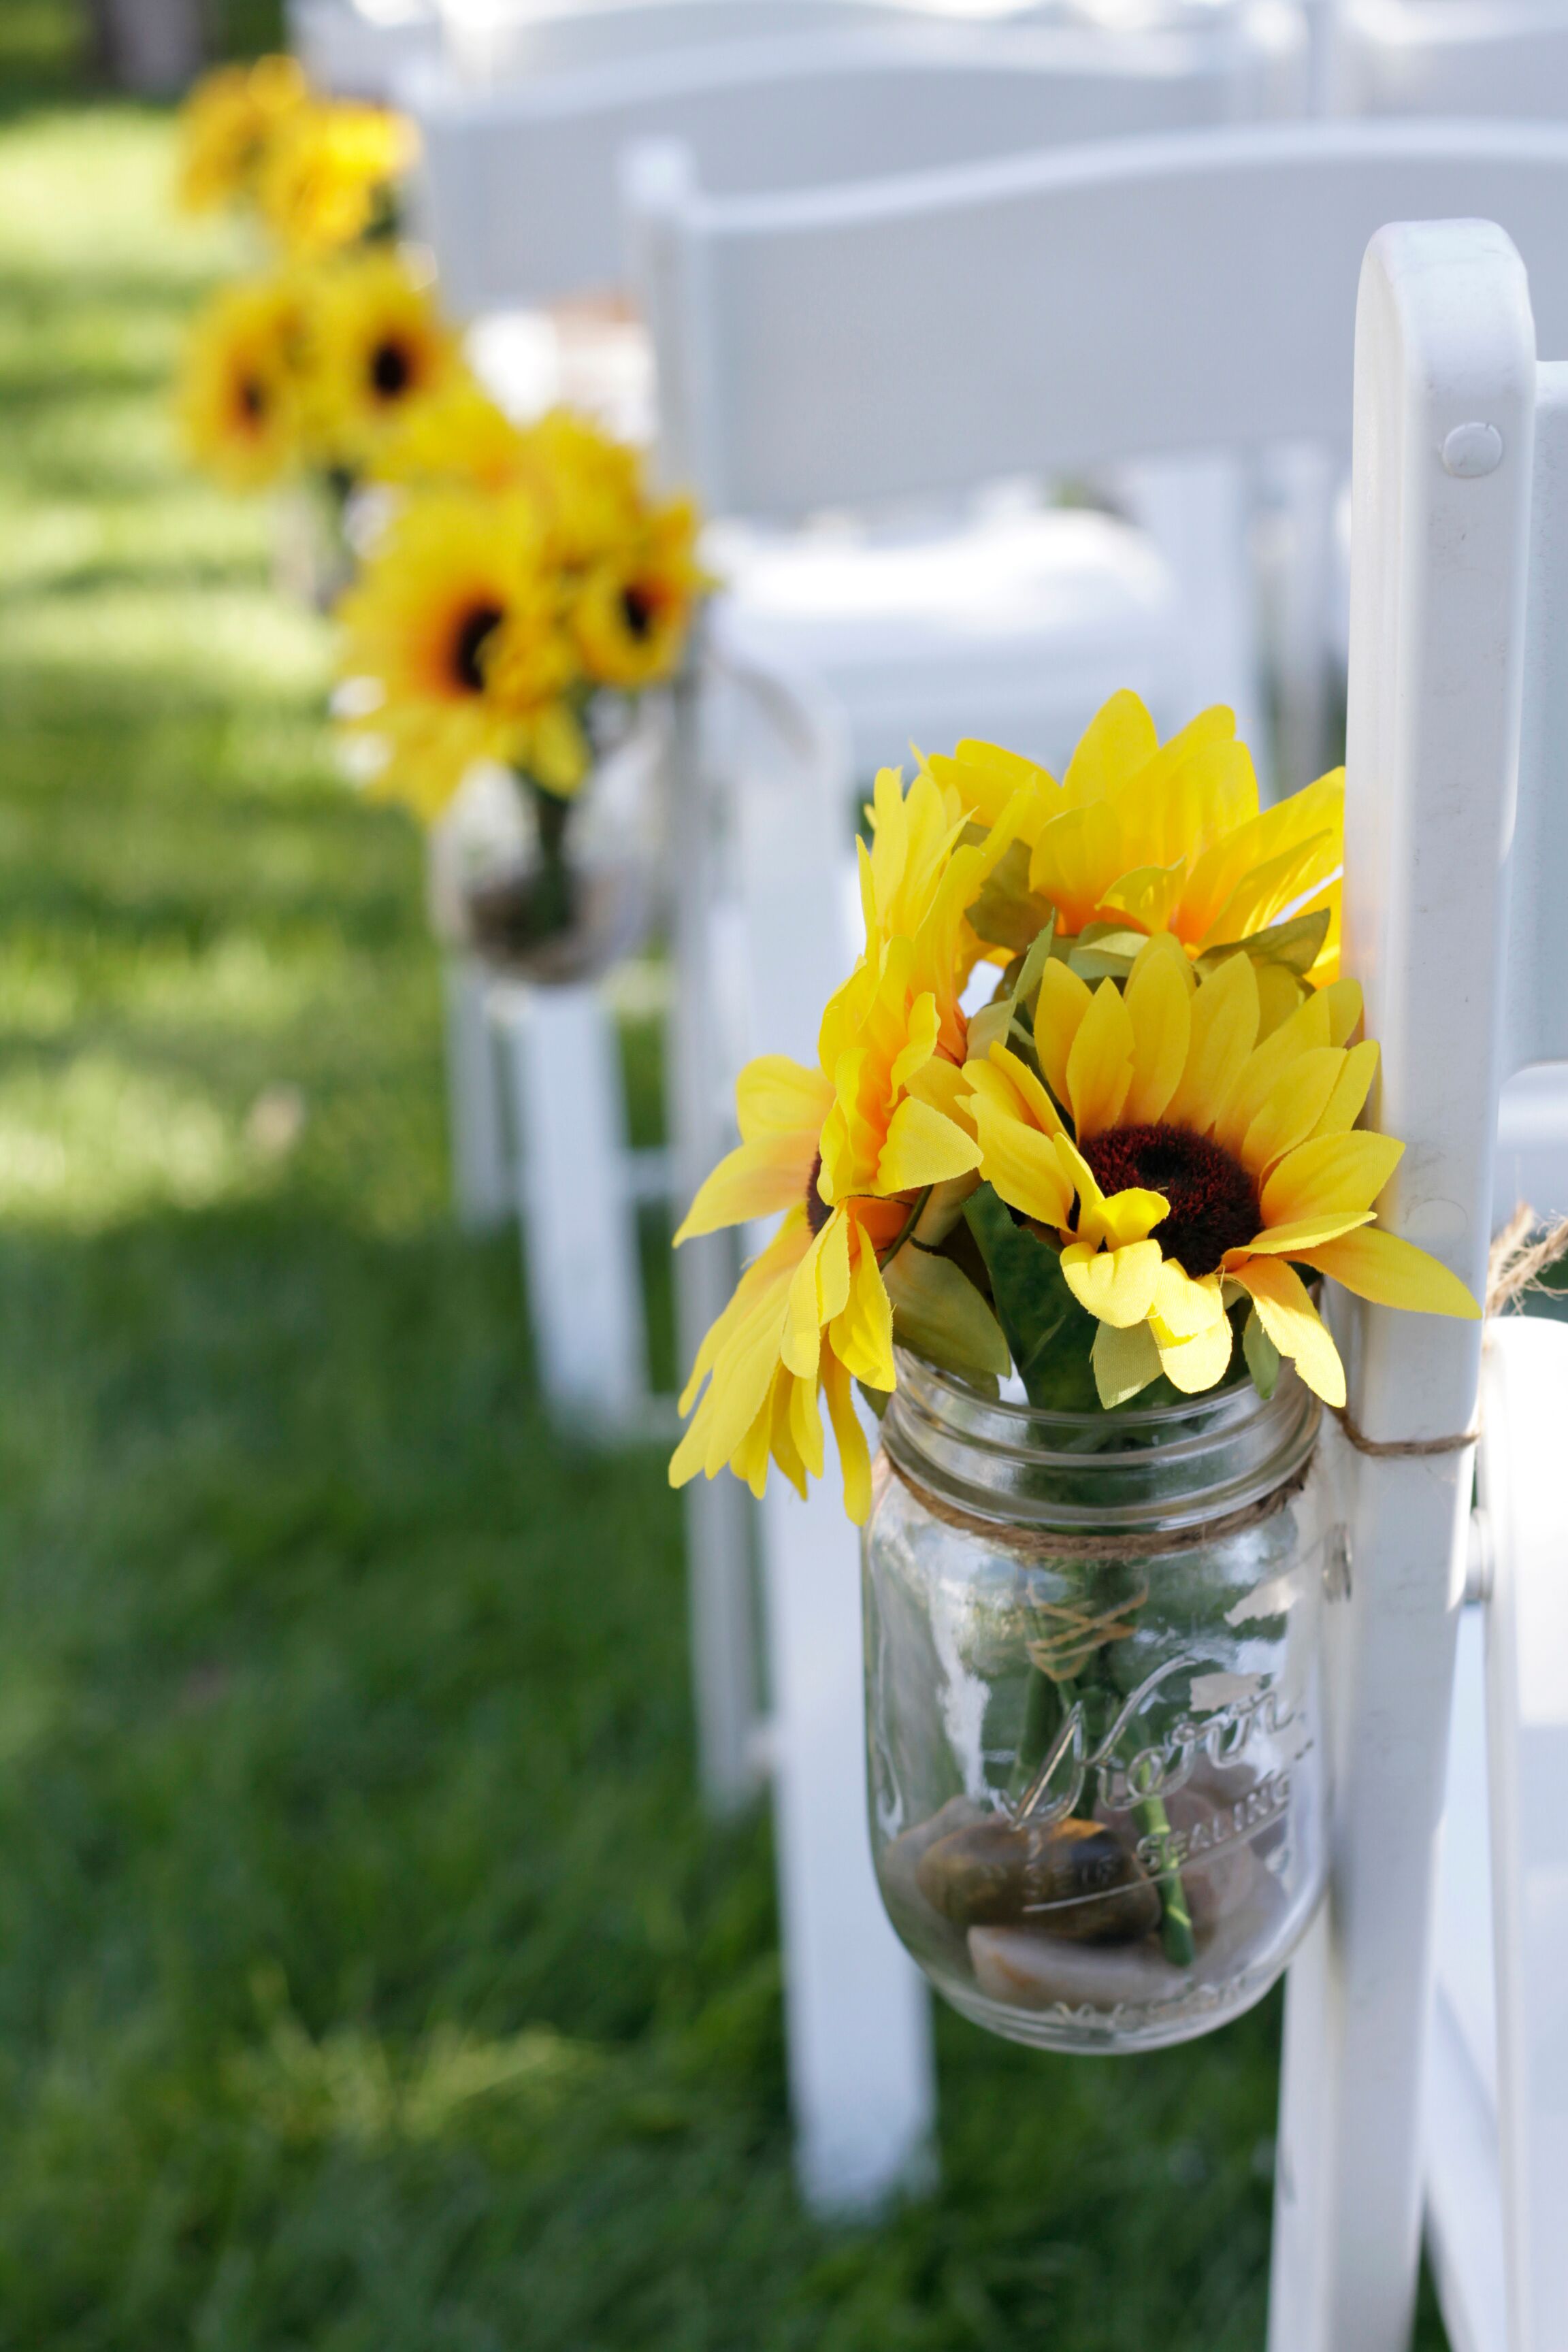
(506, 40)
(1028, 618)
(1163, 296)
(358, 48)
(1451, 58)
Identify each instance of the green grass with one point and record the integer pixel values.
(368, 1977)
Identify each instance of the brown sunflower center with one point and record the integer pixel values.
(475, 631)
(252, 399)
(816, 1209)
(639, 613)
(390, 369)
(1214, 1201)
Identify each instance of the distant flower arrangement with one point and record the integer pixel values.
(528, 590)
(1108, 1179)
(318, 173)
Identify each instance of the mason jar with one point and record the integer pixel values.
(1096, 1761)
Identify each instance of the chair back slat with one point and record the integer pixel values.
(522, 199)
(1047, 312)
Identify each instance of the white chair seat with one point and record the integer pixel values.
(1014, 629)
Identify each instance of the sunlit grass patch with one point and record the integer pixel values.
(99, 1139)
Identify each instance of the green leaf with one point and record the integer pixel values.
(937, 1312)
(1296, 944)
(1262, 1356)
(1007, 912)
(1050, 1335)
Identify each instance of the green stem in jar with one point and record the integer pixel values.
(1045, 1707)
(1175, 1912)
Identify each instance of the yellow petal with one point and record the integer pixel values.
(1059, 1009)
(1225, 1029)
(1099, 1066)
(818, 1293)
(1117, 1285)
(1305, 1233)
(923, 1148)
(1307, 1029)
(1077, 856)
(1159, 1005)
(854, 1456)
(1184, 1307)
(1193, 1365)
(1126, 1216)
(1351, 1089)
(862, 1335)
(1124, 1361)
(1343, 1000)
(777, 1096)
(1291, 1321)
(1118, 740)
(1332, 1172)
(1296, 1102)
(1029, 1098)
(756, 1179)
(1147, 897)
(1393, 1273)
(1021, 1164)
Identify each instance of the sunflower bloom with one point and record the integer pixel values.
(327, 178)
(377, 346)
(847, 1150)
(228, 127)
(1186, 1164)
(631, 615)
(587, 486)
(1141, 837)
(456, 439)
(238, 393)
(454, 626)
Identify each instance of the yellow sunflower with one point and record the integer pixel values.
(1202, 1166)
(847, 1150)
(631, 615)
(1141, 837)
(587, 486)
(326, 179)
(453, 625)
(238, 393)
(378, 346)
(457, 438)
(228, 127)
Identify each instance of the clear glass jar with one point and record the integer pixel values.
(488, 856)
(1097, 1762)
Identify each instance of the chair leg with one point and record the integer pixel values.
(862, 2078)
(719, 1514)
(579, 1235)
(481, 1182)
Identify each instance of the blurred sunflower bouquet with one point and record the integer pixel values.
(527, 592)
(301, 371)
(1108, 1179)
(317, 173)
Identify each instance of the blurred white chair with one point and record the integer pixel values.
(1452, 57)
(357, 48)
(1496, 2131)
(1014, 620)
(828, 350)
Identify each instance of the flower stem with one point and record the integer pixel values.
(1175, 1912)
(553, 896)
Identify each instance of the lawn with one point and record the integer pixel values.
(369, 1980)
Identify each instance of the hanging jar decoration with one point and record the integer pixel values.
(1066, 1226)
(507, 653)
(1096, 1766)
